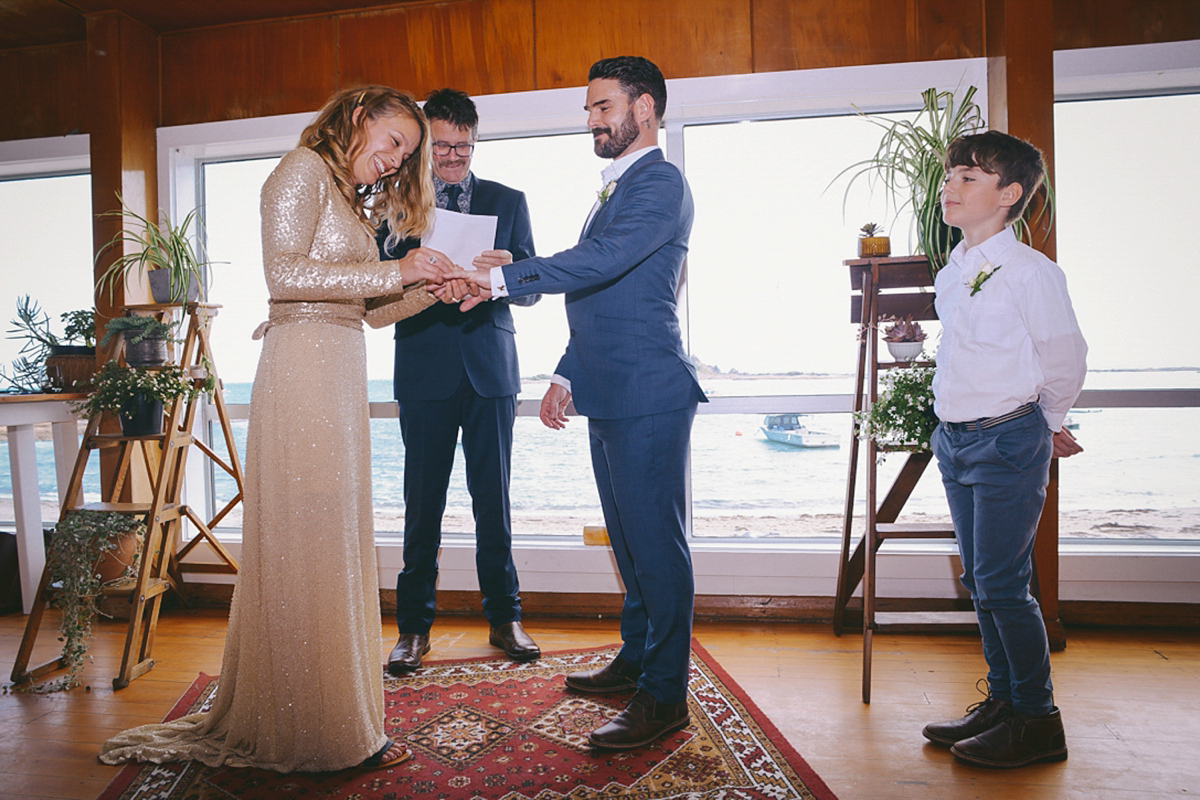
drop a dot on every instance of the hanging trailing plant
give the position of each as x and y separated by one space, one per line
79 542
902 415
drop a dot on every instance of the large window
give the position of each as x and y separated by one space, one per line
45 254
766 305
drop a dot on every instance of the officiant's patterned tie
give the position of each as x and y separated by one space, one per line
452 193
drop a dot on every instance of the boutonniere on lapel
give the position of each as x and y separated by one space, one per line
981 277
607 191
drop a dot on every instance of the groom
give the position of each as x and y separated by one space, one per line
627 371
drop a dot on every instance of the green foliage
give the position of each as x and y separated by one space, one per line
115 387
80 326
79 541
33 325
152 246
902 416
909 163
144 327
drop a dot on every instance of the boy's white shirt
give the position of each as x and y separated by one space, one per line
1015 341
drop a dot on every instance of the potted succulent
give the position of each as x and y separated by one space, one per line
137 395
145 339
904 338
901 418
48 361
163 252
83 547
872 242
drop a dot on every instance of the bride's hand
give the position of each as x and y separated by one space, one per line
426 264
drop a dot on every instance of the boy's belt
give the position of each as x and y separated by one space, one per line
988 422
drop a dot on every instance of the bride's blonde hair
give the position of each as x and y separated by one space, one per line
404 200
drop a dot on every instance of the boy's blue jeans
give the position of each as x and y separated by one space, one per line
995 481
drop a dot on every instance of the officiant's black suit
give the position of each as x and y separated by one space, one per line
459 370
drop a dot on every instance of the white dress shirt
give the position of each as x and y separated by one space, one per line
1015 341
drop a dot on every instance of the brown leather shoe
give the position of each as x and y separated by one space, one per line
643 720
1017 740
406 655
617 676
514 641
981 716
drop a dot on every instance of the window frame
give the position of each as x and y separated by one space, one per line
765 567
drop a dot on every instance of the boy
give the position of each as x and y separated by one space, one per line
1010 365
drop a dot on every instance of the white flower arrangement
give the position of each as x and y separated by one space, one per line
976 283
607 191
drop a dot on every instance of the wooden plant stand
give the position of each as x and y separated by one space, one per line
164 459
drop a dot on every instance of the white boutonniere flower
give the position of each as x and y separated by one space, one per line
606 192
976 283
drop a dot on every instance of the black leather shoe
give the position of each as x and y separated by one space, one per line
643 720
617 676
514 641
981 716
1017 740
406 655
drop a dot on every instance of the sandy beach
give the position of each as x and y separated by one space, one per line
1149 524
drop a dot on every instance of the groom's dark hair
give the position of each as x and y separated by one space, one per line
637 76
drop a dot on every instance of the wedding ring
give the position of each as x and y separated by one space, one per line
433 259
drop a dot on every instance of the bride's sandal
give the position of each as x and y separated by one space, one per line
398 755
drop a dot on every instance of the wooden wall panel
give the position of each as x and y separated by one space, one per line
479 46
685 38
251 70
1107 23
42 91
838 33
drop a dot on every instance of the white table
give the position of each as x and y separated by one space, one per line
19 413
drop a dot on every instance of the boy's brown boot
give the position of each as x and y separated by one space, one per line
981 716
1017 740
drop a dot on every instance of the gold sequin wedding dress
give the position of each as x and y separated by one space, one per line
301 684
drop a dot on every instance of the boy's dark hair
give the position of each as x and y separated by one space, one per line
1011 159
637 76
453 106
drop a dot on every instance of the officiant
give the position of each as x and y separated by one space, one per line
458 371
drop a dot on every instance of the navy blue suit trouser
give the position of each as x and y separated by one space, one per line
430 432
640 465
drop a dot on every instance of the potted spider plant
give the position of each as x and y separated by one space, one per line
50 361
137 395
162 252
909 163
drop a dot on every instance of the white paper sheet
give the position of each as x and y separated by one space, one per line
461 236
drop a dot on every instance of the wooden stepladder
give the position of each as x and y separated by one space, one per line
888 287
163 458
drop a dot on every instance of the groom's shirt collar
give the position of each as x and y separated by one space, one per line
620 166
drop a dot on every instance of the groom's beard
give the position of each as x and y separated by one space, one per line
617 141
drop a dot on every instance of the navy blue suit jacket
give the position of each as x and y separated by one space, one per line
433 348
625 356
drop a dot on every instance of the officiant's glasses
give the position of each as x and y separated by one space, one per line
462 149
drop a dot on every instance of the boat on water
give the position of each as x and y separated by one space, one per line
787 429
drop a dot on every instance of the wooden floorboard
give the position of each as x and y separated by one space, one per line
1128 699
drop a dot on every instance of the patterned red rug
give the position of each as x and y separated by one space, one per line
491 729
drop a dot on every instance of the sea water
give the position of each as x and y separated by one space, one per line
1137 461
